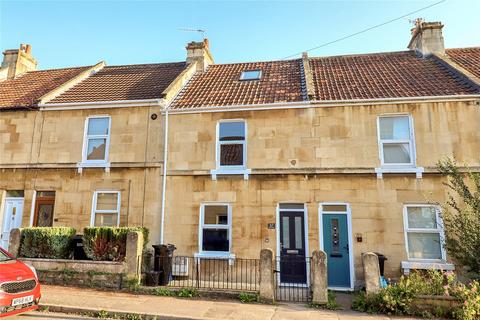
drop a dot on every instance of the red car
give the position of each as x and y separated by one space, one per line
19 286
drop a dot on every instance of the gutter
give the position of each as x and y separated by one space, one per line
326 103
100 104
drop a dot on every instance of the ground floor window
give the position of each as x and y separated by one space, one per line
423 232
215 228
106 209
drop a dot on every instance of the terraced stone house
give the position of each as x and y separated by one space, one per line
334 153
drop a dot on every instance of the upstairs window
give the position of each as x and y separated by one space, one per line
396 141
215 228
106 209
97 139
231 144
251 75
423 232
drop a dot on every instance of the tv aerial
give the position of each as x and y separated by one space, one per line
200 31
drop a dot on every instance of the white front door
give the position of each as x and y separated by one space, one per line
12 218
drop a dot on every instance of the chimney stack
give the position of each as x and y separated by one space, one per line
427 38
17 61
199 52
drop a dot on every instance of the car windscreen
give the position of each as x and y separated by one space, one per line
4 256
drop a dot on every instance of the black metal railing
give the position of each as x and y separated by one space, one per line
292 279
213 273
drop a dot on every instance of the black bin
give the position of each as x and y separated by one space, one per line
78 251
152 278
381 262
162 262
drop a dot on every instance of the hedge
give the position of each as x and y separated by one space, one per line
46 242
108 243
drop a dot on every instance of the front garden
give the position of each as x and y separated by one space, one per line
435 293
99 243
430 294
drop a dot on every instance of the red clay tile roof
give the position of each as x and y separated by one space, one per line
220 85
127 82
468 58
383 75
368 76
25 90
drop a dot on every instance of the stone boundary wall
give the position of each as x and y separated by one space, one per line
91 279
99 274
76 265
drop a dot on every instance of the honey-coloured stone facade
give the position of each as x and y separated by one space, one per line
335 151
41 151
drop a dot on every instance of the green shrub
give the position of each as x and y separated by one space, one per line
461 214
108 243
469 297
188 293
46 242
397 299
245 297
163 292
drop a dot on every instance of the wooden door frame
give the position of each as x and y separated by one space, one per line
42 200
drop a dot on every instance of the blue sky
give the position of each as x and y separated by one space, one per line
71 33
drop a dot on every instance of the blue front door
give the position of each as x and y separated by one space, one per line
335 243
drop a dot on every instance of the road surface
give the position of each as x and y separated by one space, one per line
47 316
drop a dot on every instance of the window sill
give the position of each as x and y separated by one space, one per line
212 255
417 170
105 165
425 264
225 171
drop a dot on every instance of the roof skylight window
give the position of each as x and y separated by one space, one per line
251 75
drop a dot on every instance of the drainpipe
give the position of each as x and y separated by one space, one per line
164 182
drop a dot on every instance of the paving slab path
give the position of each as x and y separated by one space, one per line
90 300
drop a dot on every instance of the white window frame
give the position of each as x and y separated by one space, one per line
226 169
95 163
410 141
398 167
244 72
201 226
94 206
439 230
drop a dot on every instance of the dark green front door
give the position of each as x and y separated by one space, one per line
335 243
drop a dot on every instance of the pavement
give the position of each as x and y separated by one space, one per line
70 299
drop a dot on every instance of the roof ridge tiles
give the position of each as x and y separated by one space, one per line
253 62
59 69
353 55
145 64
